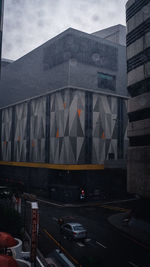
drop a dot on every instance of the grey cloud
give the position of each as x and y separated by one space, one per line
32 22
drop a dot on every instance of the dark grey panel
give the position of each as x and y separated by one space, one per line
135 7
81 49
0 135
88 126
47 139
6 134
38 129
138 32
72 58
120 139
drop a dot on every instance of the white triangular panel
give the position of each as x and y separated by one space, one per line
80 141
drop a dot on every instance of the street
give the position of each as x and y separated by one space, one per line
104 246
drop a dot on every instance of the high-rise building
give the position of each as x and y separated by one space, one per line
1 27
138 67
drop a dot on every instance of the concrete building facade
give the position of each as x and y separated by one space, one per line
138 66
1 27
64 114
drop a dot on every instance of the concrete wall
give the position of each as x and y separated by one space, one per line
116 34
138 65
72 58
86 75
138 171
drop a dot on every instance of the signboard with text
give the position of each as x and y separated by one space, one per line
34 230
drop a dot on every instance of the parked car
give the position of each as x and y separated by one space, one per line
74 230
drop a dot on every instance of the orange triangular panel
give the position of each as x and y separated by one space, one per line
103 136
33 143
79 112
57 134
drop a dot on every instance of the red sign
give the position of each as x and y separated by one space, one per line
34 231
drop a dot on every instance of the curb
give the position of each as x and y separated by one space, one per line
127 234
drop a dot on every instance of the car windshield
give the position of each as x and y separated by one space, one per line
78 228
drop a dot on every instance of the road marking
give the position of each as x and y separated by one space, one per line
101 244
41 264
80 244
62 248
48 202
87 240
132 264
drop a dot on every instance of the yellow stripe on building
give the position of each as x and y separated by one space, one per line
54 166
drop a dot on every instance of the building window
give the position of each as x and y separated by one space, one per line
106 81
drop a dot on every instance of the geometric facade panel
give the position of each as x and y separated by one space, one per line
104 128
83 128
67 126
37 129
20 135
6 134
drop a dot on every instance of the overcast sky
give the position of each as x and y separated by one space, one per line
30 23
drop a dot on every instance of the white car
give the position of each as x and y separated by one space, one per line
74 230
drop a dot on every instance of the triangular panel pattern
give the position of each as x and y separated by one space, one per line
80 141
81 157
38 129
73 143
102 143
73 130
105 123
80 130
6 134
71 124
94 156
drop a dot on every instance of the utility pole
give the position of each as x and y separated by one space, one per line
1 28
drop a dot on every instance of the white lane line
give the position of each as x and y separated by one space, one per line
87 240
51 203
80 244
101 244
132 264
41 264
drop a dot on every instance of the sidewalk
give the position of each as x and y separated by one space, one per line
136 229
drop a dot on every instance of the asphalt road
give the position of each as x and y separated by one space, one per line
104 246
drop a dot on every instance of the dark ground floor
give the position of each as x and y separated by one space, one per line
66 185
